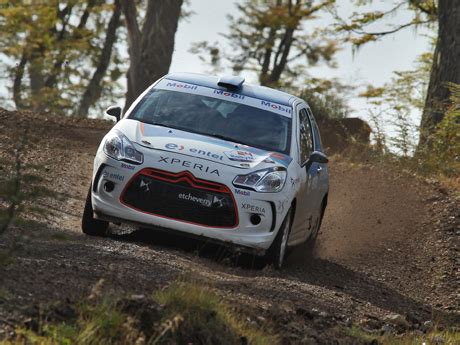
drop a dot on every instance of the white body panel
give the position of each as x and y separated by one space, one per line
217 161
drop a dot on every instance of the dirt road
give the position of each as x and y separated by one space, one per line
388 245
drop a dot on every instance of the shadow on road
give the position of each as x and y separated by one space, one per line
307 269
204 248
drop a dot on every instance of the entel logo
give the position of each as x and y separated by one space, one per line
209 154
174 147
276 107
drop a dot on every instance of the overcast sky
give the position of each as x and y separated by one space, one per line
374 63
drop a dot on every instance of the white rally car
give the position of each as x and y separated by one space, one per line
216 158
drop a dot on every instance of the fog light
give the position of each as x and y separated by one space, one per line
109 186
255 219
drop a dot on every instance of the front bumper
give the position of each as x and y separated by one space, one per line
109 203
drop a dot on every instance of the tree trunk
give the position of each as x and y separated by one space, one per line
93 91
151 49
17 84
36 79
445 69
280 65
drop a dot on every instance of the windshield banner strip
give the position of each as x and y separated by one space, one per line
173 85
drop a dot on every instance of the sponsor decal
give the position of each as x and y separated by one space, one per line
195 152
195 199
277 107
113 176
253 208
128 166
189 164
228 94
240 156
212 201
245 165
174 147
277 155
242 192
182 86
166 84
281 158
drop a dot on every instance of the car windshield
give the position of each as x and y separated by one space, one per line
215 117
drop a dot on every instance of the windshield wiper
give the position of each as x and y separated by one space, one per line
223 137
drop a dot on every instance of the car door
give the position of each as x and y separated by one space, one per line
318 171
307 179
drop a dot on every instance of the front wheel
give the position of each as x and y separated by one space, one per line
316 228
277 252
318 223
90 225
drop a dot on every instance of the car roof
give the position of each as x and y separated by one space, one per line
255 91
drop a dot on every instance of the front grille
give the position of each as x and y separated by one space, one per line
182 197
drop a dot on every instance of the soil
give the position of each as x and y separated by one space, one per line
388 245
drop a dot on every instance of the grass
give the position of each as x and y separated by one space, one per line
204 319
190 313
99 323
424 166
446 337
6 258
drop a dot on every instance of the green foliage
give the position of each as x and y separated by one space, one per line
53 47
357 29
204 318
398 101
271 39
97 323
5 259
100 323
439 158
442 153
191 314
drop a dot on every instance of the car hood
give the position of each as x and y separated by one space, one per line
200 146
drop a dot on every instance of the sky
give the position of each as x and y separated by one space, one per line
373 63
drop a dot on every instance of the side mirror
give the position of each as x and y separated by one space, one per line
114 111
318 157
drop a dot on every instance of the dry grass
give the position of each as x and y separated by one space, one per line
205 318
446 337
191 313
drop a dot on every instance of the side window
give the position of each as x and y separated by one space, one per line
306 136
318 145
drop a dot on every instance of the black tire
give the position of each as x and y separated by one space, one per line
90 225
278 251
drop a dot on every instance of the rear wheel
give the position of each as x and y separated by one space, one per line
90 225
278 250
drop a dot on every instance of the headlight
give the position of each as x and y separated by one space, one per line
265 181
118 147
